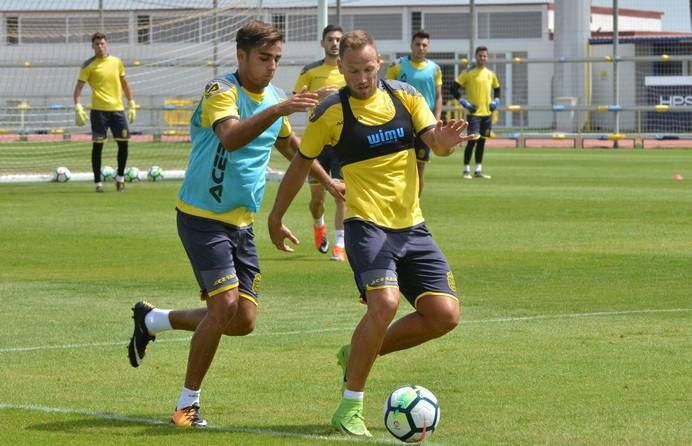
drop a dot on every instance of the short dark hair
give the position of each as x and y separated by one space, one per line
256 34
329 28
98 36
420 34
479 49
355 40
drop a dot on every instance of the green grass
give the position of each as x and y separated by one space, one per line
576 328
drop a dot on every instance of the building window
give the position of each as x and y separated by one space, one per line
279 22
302 28
416 22
143 28
12 30
447 26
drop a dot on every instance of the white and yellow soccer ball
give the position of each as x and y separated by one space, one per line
155 173
62 174
131 174
411 413
107 173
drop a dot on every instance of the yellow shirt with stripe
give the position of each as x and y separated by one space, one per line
216 107
382 190
479 84
103 75
315 76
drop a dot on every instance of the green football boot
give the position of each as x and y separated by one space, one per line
349 419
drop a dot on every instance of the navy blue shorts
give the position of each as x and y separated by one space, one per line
329 162
223 256
408 259
422 150
479 125
101 121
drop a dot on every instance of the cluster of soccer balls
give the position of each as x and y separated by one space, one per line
411 413
155 173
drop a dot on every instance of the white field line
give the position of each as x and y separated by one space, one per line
158 422
326 330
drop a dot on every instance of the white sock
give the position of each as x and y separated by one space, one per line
188 397
339 239
120 179
353 395
157 320
467 168
479 168
100 184
319 222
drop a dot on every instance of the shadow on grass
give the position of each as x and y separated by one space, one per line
140 426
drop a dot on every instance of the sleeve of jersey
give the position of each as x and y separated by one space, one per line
461 79
496 83
286 128
438 77
315 136
221 105
121 68
83 74
422 117
392 71
302 81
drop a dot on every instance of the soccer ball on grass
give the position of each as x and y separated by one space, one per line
411 413
62 174
107 173
131 174
155 173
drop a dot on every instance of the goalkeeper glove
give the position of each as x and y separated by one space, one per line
494 104
467 105
131 111
80 116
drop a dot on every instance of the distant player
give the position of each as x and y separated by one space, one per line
426 76
323 77
105 74
481 98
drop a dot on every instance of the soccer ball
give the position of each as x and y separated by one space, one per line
411 413
131 174
107 173
155 173
62 174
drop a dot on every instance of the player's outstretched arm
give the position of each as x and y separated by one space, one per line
293 179
444 138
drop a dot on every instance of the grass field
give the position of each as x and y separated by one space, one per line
576 327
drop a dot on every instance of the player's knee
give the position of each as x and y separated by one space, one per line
384 310
240 326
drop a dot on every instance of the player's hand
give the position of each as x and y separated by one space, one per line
337 189
131 111
279 233
80 116
300 102
494 104
449 135
467 105
325 91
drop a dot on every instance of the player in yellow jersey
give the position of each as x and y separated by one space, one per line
482 98
371 124
105 74
426 76
323 77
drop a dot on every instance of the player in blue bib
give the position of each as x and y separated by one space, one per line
239 118
426 77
